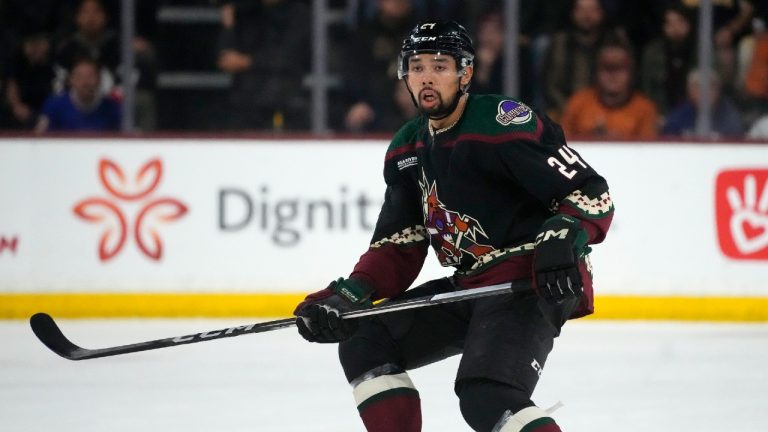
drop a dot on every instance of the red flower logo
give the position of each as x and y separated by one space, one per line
112 218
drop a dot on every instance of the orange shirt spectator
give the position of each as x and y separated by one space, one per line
611 108
756 83
585 115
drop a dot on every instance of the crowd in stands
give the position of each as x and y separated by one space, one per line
60 65
603 68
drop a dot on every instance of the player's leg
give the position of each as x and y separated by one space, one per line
499 407
376 358
507 344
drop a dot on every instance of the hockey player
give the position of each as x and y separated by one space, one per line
499 195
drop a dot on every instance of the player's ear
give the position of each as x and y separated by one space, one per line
466 75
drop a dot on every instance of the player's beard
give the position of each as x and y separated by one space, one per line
440 108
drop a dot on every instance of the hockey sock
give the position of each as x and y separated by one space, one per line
389 403
531 419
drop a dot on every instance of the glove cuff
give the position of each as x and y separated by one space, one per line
352 290
565 227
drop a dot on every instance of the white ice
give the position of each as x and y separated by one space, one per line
611 376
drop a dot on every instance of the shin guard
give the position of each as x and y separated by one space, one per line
388 403
531 419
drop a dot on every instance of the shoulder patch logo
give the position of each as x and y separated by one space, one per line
512 112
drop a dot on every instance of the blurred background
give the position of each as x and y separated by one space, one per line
328 66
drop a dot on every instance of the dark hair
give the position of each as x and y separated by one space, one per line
617 41
99 2
681 10
85 59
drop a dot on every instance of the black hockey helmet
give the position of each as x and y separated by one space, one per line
437 37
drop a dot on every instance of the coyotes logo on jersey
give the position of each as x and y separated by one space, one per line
451 233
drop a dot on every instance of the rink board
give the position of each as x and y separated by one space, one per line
170 227
746 309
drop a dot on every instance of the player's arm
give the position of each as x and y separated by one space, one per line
399 244
582 218
389 266
582 208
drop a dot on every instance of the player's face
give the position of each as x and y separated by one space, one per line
434 81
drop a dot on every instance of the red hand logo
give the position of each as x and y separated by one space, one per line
742 213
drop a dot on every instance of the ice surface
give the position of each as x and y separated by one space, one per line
627 376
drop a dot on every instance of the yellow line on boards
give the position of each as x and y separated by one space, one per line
745 309
177 305
155 305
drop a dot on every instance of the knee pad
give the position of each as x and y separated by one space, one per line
484 402
533 419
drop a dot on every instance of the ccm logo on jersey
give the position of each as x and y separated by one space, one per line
407 162
511 112
549 234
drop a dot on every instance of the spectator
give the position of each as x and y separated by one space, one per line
489 60
641 20
726 120
404 102
489 57
756 76
371 71
83 107
539 21
30 79
612 108
363 11
569 63
145 64
730 22
265 46
668 59
759 130
93 39
25 17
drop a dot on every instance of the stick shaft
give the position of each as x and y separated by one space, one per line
46 329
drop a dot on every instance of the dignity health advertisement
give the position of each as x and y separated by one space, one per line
160 215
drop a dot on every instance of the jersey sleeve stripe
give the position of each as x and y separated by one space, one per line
501 138
403 149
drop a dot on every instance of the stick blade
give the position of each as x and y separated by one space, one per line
50 335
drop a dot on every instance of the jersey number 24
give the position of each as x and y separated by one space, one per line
570 158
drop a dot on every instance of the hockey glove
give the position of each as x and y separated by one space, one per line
318 317
559 246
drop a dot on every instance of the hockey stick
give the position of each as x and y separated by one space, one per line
50 335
